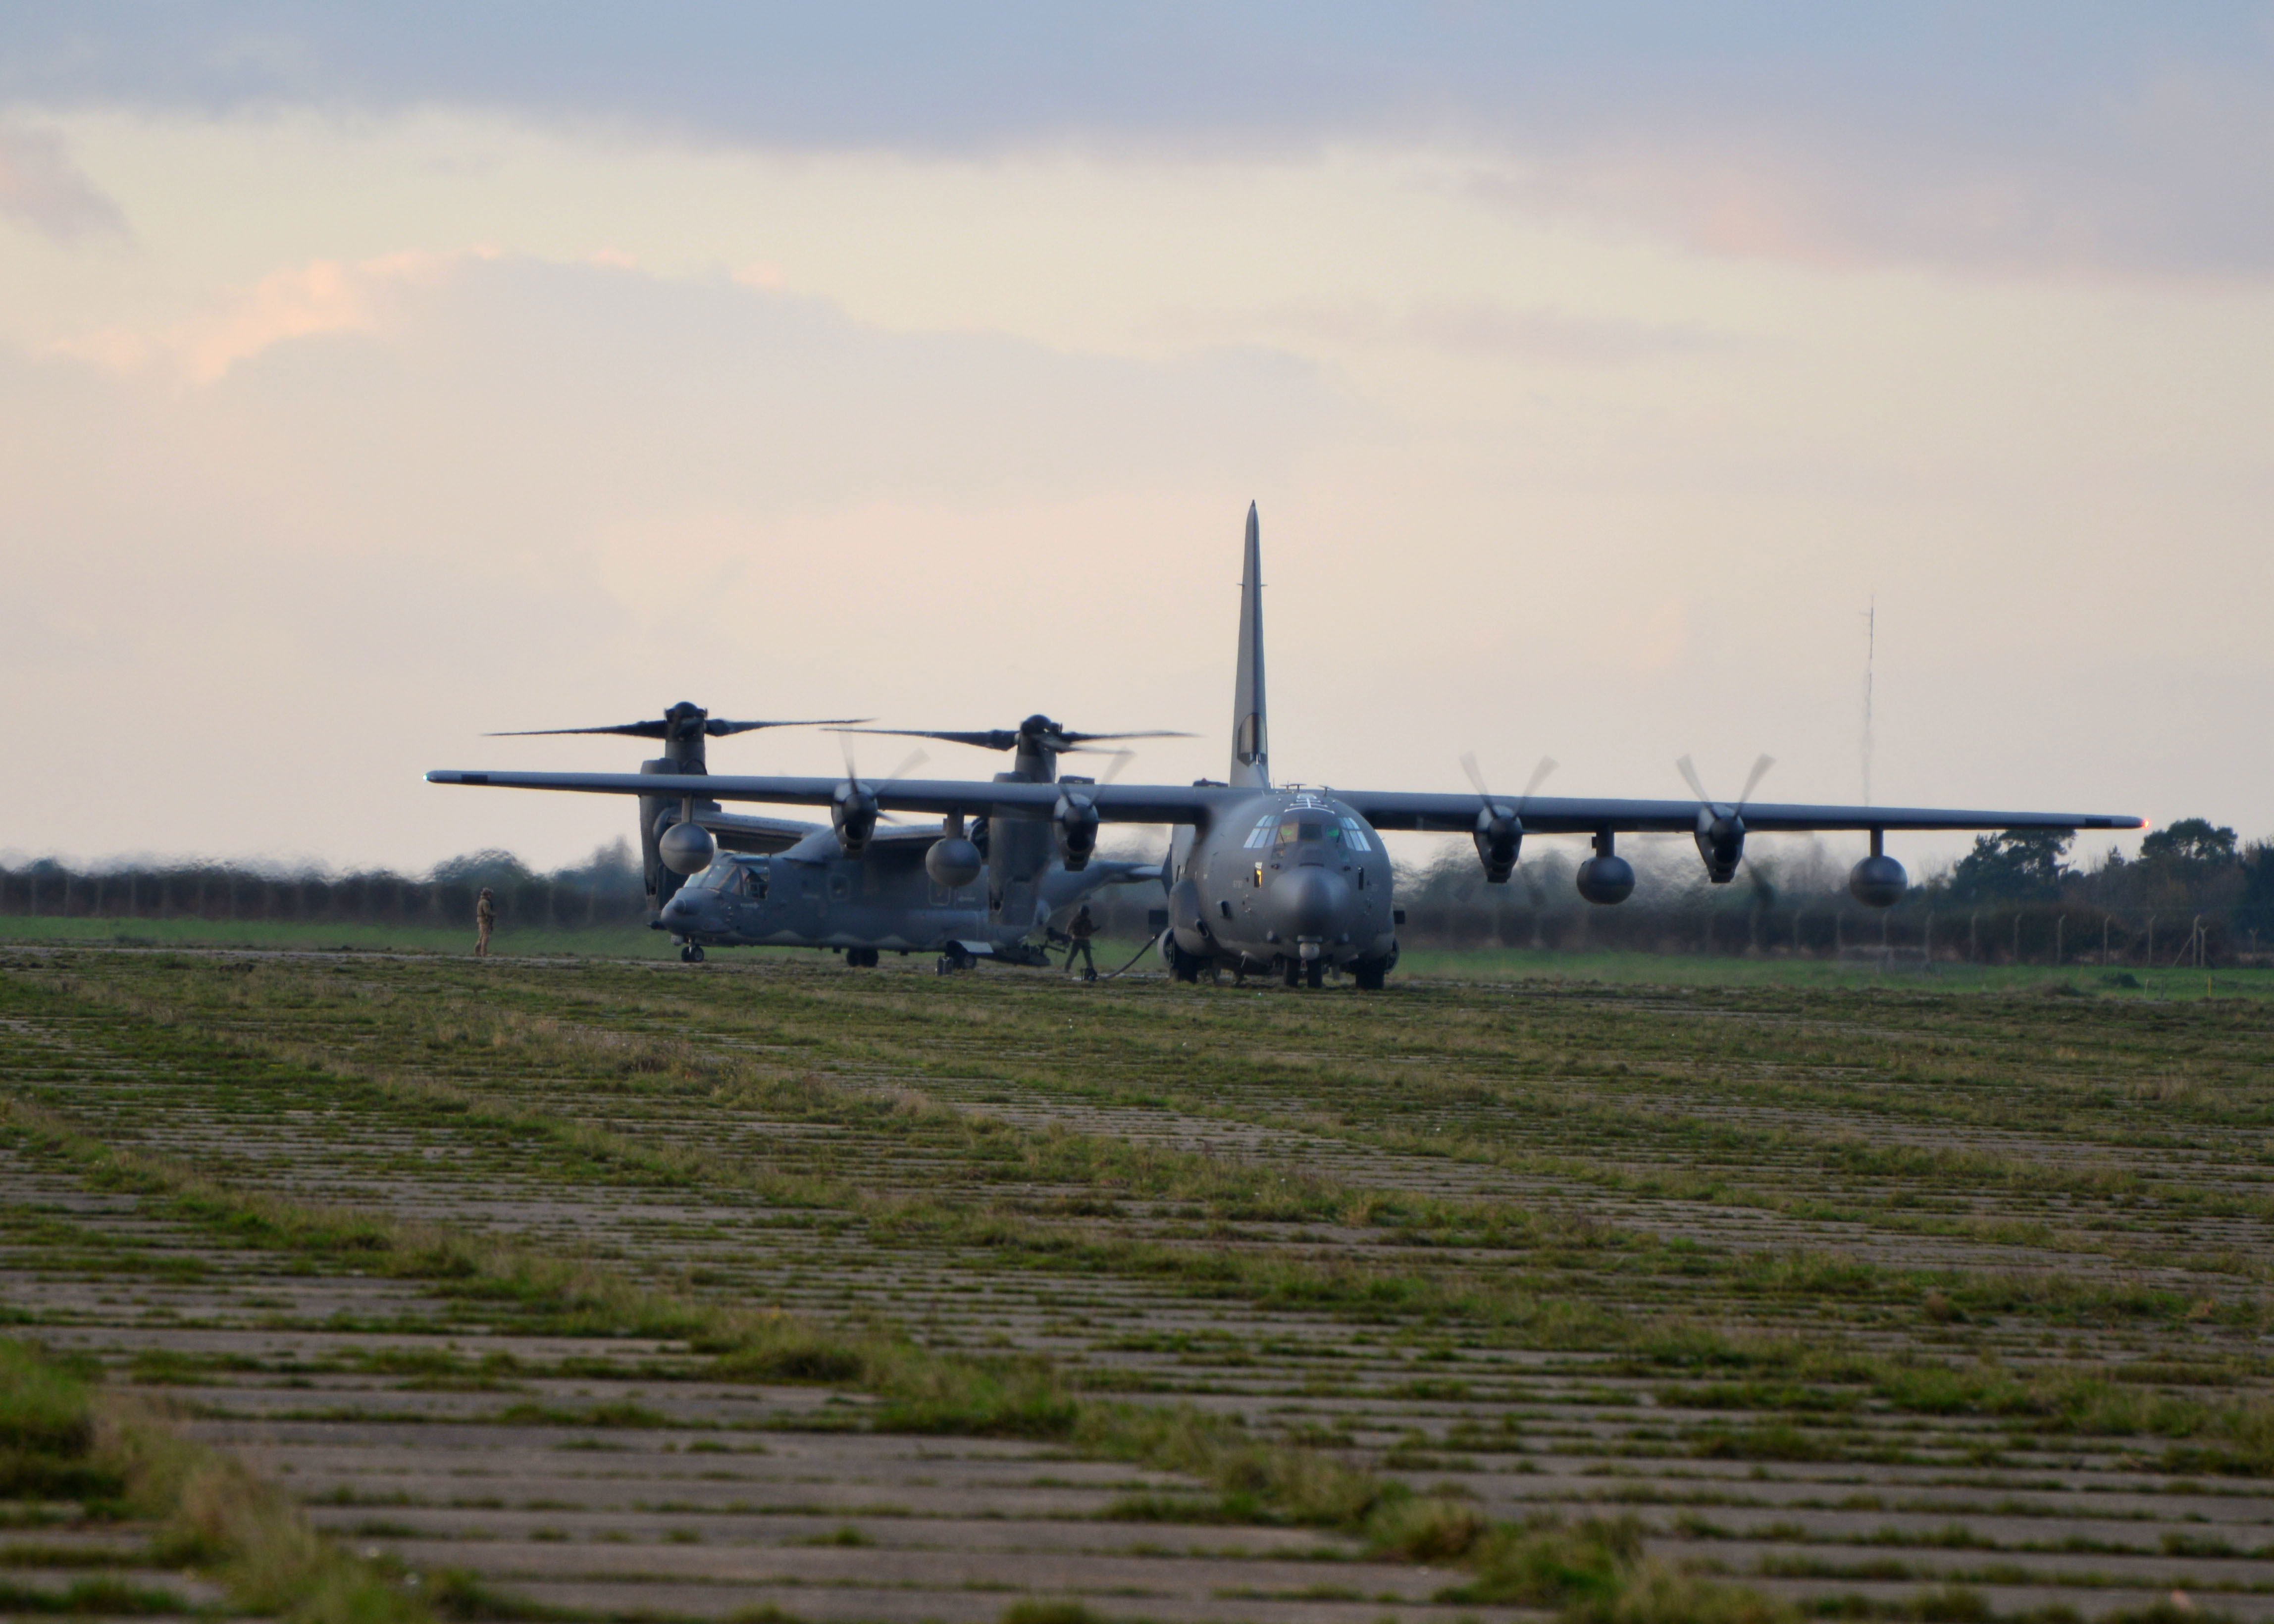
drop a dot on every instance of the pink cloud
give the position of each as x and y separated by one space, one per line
301 301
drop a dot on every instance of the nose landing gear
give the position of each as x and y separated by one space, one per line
690 953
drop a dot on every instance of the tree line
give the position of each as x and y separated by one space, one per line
605 890
2195 894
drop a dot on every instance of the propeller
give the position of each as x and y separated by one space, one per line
1499 833
683 720
1037 732
1721 826
853 809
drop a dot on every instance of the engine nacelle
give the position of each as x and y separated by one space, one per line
686 848
1878 881
953 862
854 812
1499 835
1721 842
1075 820
1606 880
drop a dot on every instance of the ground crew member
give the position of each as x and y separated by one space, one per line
1079 933
484 922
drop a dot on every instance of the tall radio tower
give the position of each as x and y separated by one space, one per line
1871 652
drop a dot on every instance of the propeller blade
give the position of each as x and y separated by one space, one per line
1547 764
636 730
1753 779
1690 777
1476 776
914 759
1121 758
1074 740
719 729
994 739
1058 739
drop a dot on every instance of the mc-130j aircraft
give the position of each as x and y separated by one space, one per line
1286 880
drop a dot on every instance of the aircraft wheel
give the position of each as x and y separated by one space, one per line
1182 965
1290 970
940 966
1369 976
690 954
1315 972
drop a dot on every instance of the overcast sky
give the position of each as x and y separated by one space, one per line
374 378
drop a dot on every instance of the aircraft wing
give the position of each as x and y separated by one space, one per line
739 831
1198 804
1116 803
1569 815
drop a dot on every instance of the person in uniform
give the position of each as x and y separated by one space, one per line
484 922
1079 934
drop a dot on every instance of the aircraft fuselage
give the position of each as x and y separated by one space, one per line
814 895
1288 881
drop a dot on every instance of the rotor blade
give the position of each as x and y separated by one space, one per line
1547 764
1690 777
1072 738
1121 758
1753 779
719 729
1476 775
994 739
636 730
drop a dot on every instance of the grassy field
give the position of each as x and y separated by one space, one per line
1620 968
582 1287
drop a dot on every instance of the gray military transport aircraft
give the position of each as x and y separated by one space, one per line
770 882
1287 880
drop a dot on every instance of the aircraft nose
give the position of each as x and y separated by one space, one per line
1310 901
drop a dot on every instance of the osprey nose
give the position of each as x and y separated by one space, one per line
1310 901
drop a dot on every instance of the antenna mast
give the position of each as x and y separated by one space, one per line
1870 654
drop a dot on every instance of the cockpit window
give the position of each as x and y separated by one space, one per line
1308 829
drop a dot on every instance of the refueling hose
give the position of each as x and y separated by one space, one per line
1141 951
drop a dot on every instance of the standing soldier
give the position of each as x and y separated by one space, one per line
484 922
1079 933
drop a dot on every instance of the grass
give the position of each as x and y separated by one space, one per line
616 941
204 1511
1634 1237
1624 968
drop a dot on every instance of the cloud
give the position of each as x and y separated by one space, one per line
533 493
1469 328
302 301
2040 133
41 187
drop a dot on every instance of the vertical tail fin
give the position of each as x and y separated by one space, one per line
1251 741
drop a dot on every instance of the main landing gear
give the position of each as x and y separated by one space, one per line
860 958
955 959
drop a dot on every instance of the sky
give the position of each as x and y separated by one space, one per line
374 378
